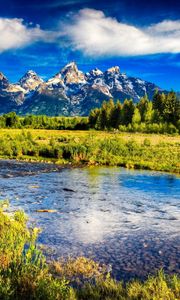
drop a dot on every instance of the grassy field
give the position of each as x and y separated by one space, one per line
131 150
71 134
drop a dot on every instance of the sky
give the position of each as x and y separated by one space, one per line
141 37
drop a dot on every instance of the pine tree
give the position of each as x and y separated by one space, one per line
158 103
142 106
116 116
128 110
94 113
171 111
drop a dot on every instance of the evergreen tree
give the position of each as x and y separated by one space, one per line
11 120
128 111
142 106
116 116
158 104
104 117
171 111
109 112
93 116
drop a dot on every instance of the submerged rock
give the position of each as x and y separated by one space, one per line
46 210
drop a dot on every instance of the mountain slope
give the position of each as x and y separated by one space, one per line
70 92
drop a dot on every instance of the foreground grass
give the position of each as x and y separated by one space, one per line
24 273
141 151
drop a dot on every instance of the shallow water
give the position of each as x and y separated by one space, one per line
129 220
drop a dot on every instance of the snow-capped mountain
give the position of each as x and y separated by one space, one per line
70 92
11 95
30 81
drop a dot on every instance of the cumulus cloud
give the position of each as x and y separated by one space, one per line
97 35
91 32
15 34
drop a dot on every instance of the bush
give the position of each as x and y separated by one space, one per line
24 273
147 142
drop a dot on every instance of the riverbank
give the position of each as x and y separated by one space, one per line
25 274
77 148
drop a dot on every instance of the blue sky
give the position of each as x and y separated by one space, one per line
142 37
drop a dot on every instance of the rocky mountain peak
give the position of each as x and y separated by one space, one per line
3 81
2 76
70 92
69 68
71 74
115 69
30 81
96 72
29 74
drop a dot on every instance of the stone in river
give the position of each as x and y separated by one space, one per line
46 210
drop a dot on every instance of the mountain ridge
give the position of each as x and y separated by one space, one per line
70 91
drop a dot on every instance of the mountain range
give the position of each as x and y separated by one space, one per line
70 92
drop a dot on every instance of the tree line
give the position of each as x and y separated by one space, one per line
11 120
162 115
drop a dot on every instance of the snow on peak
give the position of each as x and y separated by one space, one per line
79 91
30 81
3 81
15 88
31 72
69 67
96 72
115 69
140 81
55 81
72 75
2 77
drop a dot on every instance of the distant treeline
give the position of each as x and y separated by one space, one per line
162 115
11 120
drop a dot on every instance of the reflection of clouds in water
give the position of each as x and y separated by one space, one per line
109 207
94 226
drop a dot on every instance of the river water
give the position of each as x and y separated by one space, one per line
127 219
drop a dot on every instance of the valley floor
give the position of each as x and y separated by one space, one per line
48 134
131 150
24 272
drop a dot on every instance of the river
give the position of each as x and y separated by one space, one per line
127 219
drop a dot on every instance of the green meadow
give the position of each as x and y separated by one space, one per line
130 150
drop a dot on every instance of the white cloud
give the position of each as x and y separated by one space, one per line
15 34
91 32
95 34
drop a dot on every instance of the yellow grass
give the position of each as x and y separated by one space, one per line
48 134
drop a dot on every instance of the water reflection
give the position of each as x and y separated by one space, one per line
130 219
